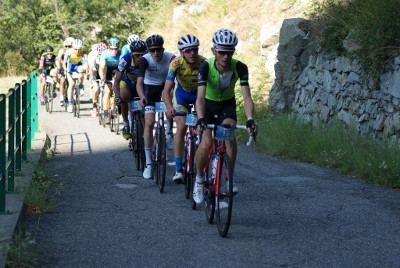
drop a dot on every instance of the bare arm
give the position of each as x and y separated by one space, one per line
101 70
248 101
166 96
117 79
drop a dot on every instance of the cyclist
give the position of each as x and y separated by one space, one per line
184 70
153 69
74 61
126 49
46 67
92 54
94 61
216 97
108 65
59 62
125 80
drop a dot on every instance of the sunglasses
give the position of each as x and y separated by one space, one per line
190 50
223 53
158 49
138 54
68 46
113 48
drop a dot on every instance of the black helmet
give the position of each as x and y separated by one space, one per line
138 46
155 40
48 49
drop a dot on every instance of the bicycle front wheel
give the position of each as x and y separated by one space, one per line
209 199
186 167
161 160
224 195
50 98
46 96
78 102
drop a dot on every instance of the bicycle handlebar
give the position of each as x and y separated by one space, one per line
242 127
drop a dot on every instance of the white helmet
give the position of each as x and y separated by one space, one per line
133 37
225 38
69 41
77 43
188 40
94 47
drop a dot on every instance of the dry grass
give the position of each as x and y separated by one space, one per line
9 82
245 18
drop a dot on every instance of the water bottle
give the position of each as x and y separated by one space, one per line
214 165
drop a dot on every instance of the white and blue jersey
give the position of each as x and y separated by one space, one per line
129 70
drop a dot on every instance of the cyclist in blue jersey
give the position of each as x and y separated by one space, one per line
126 49
216 97
153 69
125 81
182 78
108 66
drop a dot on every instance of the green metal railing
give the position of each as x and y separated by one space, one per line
21 104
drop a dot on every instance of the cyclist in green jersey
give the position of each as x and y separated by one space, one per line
216 97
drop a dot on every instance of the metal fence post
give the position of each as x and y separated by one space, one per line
24 122
11 139
34 105
29 113
18 153
3 154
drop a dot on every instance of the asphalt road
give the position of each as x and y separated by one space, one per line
286 213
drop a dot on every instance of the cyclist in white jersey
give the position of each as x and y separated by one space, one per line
153 69
94 62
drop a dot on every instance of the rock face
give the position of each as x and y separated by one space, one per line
321 87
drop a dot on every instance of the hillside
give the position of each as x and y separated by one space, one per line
255 22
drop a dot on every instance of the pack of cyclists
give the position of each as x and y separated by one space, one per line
144 70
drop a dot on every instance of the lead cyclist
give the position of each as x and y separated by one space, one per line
216 96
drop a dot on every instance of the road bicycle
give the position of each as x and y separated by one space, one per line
190 147
76 100
218 186
49 93
136 141
114 114
160 152
99 105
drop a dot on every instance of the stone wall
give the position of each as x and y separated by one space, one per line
321 87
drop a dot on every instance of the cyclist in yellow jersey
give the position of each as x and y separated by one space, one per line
74 61
182 73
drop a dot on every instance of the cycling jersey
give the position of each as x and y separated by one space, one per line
185 76
94 60
125 50
216 87
155 73
47 63
73 58
127 66
108 59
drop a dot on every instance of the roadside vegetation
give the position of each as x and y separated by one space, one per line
372 27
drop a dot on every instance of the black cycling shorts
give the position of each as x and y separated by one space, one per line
110 72
222 109
152 93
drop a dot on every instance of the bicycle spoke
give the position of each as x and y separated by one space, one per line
224 195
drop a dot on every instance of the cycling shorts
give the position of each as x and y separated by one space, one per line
73 67
96 74
131 87
52 72
110 72
222 109
182 99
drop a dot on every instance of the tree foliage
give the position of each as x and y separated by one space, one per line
27 26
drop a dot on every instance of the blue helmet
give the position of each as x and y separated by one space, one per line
113 42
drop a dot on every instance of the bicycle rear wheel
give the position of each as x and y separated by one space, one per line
224 195
161 160
192 177
209 199
51 97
